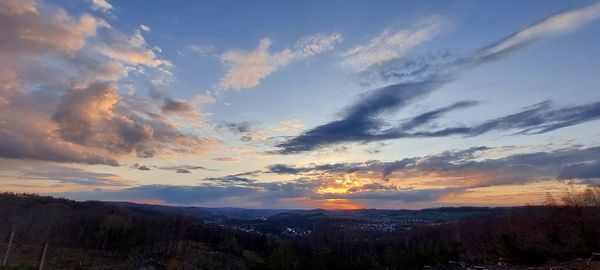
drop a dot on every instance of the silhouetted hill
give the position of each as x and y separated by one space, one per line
431 214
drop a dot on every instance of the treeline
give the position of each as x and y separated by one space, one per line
561 230
135 237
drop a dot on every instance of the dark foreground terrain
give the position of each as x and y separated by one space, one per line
64 234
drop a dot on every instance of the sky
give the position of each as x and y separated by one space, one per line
300 105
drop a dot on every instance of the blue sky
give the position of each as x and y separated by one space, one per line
334 104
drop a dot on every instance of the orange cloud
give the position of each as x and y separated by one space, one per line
71 110
248 69
18 7
131 50
34 27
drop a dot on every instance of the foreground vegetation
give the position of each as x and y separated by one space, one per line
64 234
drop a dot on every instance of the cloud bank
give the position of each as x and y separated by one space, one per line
411 180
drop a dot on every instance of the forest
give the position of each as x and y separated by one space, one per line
40 232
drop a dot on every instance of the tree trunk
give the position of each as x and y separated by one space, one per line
41 264
12 234
105 240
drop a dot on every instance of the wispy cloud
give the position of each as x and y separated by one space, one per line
236 127
132 50
101 5
246 69
365 120
288 125
33 174
390 44
78 177
184 168
202 50
227 159
229 180
145 28
560 23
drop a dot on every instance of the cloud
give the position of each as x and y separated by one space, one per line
91 117
255 137
560 23
176 169
33 175
183 168
337 168
19 7
230 179
360 121
30 134
410 195
101 5
248 131
140 167
245 129
176 106
227 159
288 125
247 69
411 69
241 192
32 28
82 110
417 179
236 127
71 110
583 170
537 119
428 117
541 118
145 28
131 50
341 168
285 169
183 109
79 177
365 120
467 168
202 50
390 44
179 195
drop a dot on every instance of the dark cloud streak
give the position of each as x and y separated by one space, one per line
365 120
